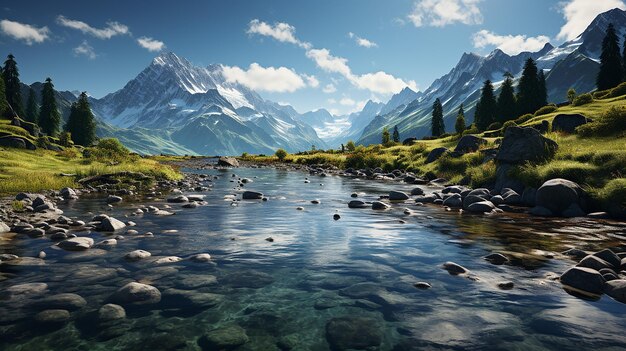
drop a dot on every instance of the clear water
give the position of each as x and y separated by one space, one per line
285 292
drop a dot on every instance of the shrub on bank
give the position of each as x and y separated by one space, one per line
523 119
108 150
546 109
612 122
583 99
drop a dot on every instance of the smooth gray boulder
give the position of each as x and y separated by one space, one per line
111 312
398 196
136 294
435 154
110 224
52 316
357 204
454 268
610 257
469 143
481 206
583 280
567 123
616 289
453 200
224 338
378 205
80 243
525 144
594 262
227 162
559 195
252 195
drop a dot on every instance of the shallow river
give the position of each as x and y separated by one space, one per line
358 272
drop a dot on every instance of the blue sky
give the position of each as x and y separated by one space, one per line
311 54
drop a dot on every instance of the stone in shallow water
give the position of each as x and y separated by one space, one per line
422 285
506 285
137 255
26 289
454 269
583 280
496 258
225 338
53 316
136 294
167 260
197 281
191 298
76 244
67 301
616 289
203 257
247 279
345 333
110 312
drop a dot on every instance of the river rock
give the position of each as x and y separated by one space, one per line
481 207
202 257
137 255
583 279
193 299
68 193
594 262
227 162
567 123
56 316
76 244
66 301
195 281
558 195
525 144
496 258
469 143
4 228
24 290
435 154
178 199
357 204
167 260
454 269
453 200
378 205
107 243
252 195
398 196
110 224
610 257
224 338
354 332
616 289
422 285
111 312
136 294
417 191
114 199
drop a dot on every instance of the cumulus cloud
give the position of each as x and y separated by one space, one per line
112 29
510 44
270 79
439 13
311 80
579 14
328 62
283 32
26 32
329 89
151 44
362 41
84 49
346 101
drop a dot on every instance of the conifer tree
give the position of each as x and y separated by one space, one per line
543 89
624 58
396 134
32 111
611 66
11 78
386 136
81 122
507 105
528 96
437 124
459 125
49 117
3 99
487 107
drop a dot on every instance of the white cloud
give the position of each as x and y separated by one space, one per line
283 32
112 29
151 44
345 101
332 101
26 32
510 44
362 41
329 89
86 50
270 79
382 83
579 14
439 13
311 81
328 62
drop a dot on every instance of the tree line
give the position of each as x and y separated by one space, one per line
80 125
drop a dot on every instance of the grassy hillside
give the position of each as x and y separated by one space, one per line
598 162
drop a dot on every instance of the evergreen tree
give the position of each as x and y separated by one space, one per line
49 117
528 95
487 107
543 89
571 95
81 122
396 134
32 111
624 58
507 105
386 136
611 70
11 78
437 124
459 125
4 106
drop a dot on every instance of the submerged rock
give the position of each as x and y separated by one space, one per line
136 294
53 316
65 301
111 312
354 332
225 338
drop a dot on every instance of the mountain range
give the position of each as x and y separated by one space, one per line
175 107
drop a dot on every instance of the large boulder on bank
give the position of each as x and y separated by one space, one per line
567 123
227 162
562 197
435 154
469 143
521 145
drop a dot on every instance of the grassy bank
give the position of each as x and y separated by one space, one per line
596 160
